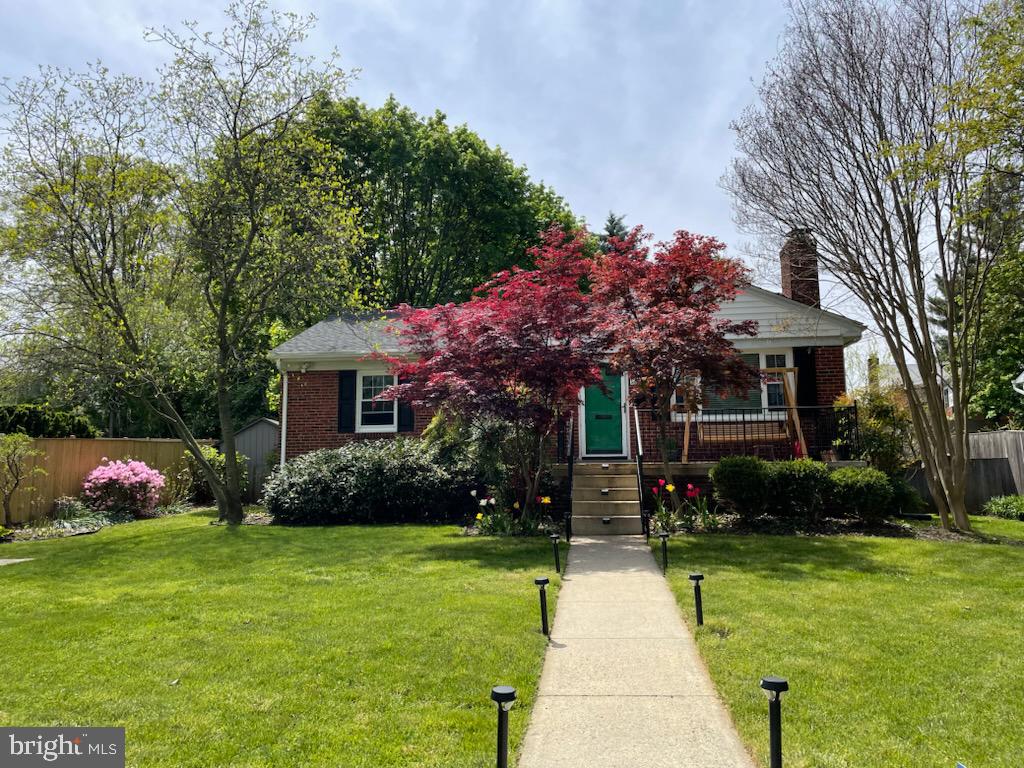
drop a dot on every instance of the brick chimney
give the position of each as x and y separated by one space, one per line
799 257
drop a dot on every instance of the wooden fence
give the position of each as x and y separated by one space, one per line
1004 444
68 460
996 468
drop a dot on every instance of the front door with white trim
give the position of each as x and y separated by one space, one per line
603 417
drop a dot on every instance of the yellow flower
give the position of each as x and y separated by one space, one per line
546 500
670 487
479 515
516 505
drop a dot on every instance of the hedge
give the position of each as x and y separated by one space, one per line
740 485
802 490
43 421
397 480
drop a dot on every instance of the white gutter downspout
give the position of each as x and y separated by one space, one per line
284 413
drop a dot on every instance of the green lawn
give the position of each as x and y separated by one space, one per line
899 652
260 646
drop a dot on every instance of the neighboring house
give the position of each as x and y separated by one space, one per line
258 441
330 380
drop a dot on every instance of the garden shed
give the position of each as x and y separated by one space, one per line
258 441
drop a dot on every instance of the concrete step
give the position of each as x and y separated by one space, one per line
604 481
605 493
605 508
616 525
604 468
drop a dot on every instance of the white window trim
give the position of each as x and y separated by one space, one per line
380 429
768 414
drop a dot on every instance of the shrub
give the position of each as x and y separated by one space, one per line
862 492
43 421
69 508
1006 507
194 484
740 484
798 490
17 456
71 515
130 487
905 498
378 481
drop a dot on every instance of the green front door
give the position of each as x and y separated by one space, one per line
603 416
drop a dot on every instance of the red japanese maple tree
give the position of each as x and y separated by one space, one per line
519 351
660 312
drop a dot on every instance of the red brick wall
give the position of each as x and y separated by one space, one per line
313 415
799 262
829 374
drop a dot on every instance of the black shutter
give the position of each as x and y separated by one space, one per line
346 401
406 418
806 381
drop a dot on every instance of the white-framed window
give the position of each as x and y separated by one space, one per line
774 393
769 395
374 415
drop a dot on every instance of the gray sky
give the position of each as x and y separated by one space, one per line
620 105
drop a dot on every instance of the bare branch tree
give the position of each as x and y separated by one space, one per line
846 139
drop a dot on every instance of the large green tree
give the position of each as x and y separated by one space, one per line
440 209
160 231
993 102
1001 345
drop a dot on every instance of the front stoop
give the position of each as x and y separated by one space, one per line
605 499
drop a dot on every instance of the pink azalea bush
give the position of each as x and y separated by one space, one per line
123 486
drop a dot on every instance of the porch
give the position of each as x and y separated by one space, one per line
697 440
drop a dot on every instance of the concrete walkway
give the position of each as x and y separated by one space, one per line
623 685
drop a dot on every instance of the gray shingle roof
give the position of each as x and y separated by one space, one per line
357 333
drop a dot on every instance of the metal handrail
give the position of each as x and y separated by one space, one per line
644 521
570 456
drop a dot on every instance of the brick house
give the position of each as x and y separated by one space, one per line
330 380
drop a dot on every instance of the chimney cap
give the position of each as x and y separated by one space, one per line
800 232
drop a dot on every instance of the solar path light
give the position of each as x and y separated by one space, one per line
554 548
773 688
504 696
542 584
697 578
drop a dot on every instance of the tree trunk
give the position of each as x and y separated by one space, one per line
947 483
231 510
168 412
666 468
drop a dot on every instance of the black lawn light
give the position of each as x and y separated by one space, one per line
664 551
504 696
773 688
554 547
697 578
542 583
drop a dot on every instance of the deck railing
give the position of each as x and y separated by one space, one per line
817 432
